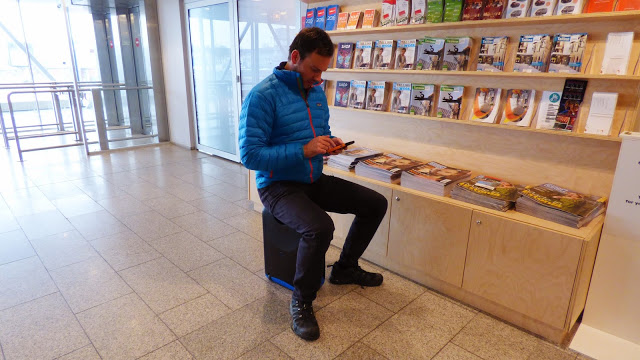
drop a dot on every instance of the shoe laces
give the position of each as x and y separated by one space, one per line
303 309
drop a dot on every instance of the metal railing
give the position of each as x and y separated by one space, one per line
55 89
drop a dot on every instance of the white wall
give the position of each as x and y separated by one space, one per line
174 63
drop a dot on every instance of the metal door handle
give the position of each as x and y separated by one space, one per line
397 198
478 222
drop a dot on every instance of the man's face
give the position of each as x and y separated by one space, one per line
310 68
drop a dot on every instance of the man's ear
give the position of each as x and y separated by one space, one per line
295 57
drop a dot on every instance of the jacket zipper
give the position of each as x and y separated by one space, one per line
310 123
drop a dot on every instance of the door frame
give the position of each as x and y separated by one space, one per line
235 64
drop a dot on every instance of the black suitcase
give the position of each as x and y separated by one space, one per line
280 250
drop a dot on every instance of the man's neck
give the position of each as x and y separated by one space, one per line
288 66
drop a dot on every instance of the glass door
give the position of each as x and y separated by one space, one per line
213 40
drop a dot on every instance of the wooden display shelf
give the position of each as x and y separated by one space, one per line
487 74
474 123
591 19
583 232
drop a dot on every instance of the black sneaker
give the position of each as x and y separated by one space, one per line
341 275
303 321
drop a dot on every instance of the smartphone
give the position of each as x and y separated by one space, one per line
340 146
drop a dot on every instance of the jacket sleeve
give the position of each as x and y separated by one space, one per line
327 128
256 123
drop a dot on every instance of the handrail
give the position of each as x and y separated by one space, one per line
66 89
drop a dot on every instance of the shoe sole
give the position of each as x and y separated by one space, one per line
334 282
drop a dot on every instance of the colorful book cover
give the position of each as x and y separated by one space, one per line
473 9
388 13
344 55
343 20
310 21
456 53
493 9
491 187
392 163
362 57
533 53
403 12
332 18
401 98
376 95
406 54
517 8
627 5
548 109
342 93
435 11
492 53
357 94
438 172
567 53
566 200
486 105
429 53
418 11
321 17
518 107
371 18
542 7
355 20
570 101
452 10
450 103
422 96
569 7
383 54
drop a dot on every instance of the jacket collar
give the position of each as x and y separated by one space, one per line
291 78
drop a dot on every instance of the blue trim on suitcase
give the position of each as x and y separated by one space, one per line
286 284
281 283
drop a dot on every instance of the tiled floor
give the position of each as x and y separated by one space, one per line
154 253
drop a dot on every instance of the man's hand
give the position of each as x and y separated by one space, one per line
319 145
338 142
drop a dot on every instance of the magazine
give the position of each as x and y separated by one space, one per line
429 53
557 204
567 53
418 11
388 13
348 159
370 19
344 56
401 98
387 167
486 105
357 94
493 9
377 95
452 10
450 102
473 9
406 54
433 178
548 109
435 11
422 96
517 8
542 7
570 101
403 12
492 53
384 54
486 191
363 53
569 7
518 107
533 53
355 20
342 93
456 54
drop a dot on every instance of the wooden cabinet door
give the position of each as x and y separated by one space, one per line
523 267
428 237
377 250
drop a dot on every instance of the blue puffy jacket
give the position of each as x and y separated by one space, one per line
277 119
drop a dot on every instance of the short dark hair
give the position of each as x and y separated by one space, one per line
312 40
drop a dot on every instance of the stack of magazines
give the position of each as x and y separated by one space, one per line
387 167
553 203
486 191
348 159
434 178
